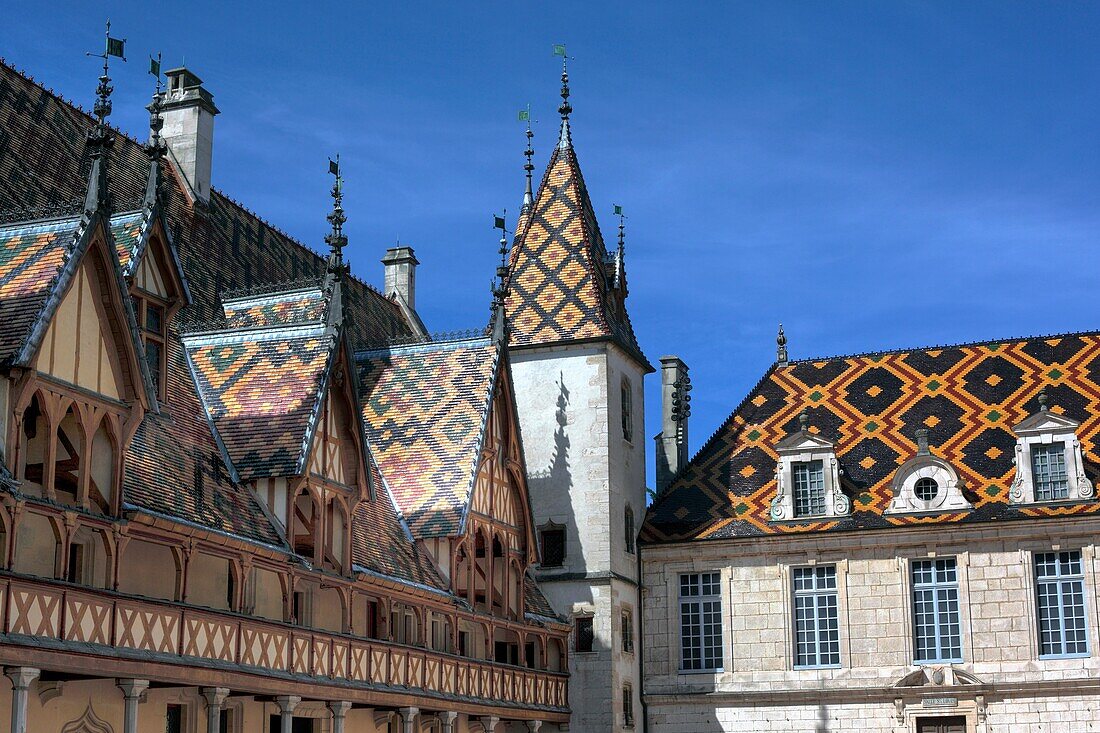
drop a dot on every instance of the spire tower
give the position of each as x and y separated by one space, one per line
336 239
100 138
565 140
528 167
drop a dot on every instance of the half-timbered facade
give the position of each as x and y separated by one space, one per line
241 490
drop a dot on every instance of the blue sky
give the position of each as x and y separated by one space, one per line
875 175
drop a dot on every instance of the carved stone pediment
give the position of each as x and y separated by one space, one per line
938 677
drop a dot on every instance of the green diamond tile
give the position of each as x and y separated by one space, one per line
754 435
992 490
741 508
933 385
993 416
871 427
816 395
865 498
1055 373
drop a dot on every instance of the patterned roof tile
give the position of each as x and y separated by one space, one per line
126 230
871 405
424 409
276 309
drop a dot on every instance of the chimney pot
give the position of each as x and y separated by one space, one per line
400 263
672 443
189 130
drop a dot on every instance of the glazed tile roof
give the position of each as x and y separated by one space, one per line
43 165
561 273
425 408
276 309
968 397
127 230
31 257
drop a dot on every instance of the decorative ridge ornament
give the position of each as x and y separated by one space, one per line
529 167
500 285
336 240
564 139
100 138
620 255
781 357
156 148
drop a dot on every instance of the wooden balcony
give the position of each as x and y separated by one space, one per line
114 627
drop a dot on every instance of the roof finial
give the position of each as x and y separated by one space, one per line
529 167
564 139
781 347
1043 407
99 137
336 239
156 148
500 285
922 441
804 420
620 257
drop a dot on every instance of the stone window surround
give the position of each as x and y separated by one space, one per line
924 465
672 572
1045 427
803 447
626 408
1091 567
786 570
962 574
627 611
588 612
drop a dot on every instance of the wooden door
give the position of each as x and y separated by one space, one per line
954 724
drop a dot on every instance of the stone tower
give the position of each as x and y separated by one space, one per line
578 373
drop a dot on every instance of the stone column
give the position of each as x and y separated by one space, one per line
534 725
447 722
21 679
339 710
286 704
489 723
408 719
214 697
131 694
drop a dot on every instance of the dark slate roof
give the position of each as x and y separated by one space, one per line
425 408
871 405
561 282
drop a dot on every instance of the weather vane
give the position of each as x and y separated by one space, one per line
336 239
529 167
111 47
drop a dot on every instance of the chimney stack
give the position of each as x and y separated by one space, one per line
189 130
401 265
672 442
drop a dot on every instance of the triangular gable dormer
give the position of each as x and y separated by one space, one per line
1050 466
337 455
807 477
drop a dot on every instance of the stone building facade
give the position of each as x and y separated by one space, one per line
950 584
241 491
579 374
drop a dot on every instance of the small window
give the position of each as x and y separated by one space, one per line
372 620
628 631
173 719
628 525
1060 588
1048 464
154 318
75 571
809 489
627 404
700 622
816 633
585 633
926 489
153 327
937 631
553 546
628 706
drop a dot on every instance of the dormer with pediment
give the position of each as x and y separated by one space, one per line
1050 466
807 478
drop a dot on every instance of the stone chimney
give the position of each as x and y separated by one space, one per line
401 265
672 441
189 130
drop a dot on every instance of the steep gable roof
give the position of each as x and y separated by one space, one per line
968 397
561 275
425 408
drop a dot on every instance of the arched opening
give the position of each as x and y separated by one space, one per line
210 581
441 632
506 647
3 539
33 441
103 458
148 569
264 595
89 558
534 653
336 547
555 656
328 609
404 624
515 589
303 524
68 459
37 545
462 572
500 572
481 571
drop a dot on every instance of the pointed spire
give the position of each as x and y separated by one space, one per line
528 167
156 148
100 138
781 347
500 285
336 240
620 255
565 140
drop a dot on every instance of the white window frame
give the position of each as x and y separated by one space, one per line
935 586
1047 428
815 593
1060 580
713 580
805 447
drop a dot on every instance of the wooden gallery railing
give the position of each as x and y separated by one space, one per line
40 608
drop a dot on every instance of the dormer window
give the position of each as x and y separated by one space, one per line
926 484
1049 464
150 314
808 477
